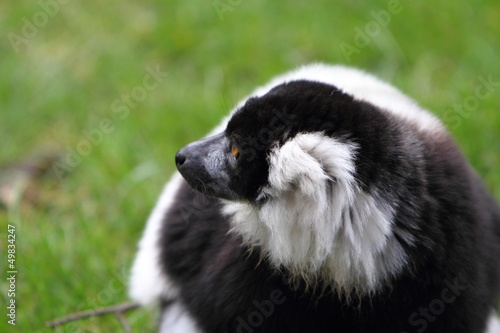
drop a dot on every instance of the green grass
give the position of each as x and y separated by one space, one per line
76 244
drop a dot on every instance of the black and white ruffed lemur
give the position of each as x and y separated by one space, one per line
327 201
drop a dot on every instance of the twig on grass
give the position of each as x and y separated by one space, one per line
118 310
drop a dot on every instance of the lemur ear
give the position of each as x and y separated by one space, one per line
309 161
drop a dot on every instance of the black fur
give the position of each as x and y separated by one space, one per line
445 220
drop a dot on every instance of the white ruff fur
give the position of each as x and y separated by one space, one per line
148 283
176 319
494 324
316 221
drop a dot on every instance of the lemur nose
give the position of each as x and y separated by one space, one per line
180 158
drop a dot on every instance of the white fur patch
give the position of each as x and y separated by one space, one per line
316 221
493 324
148 283
176 319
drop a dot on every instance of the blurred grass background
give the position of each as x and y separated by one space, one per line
76 236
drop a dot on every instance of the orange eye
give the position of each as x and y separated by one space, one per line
235 151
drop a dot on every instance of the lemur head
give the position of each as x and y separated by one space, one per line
283 138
